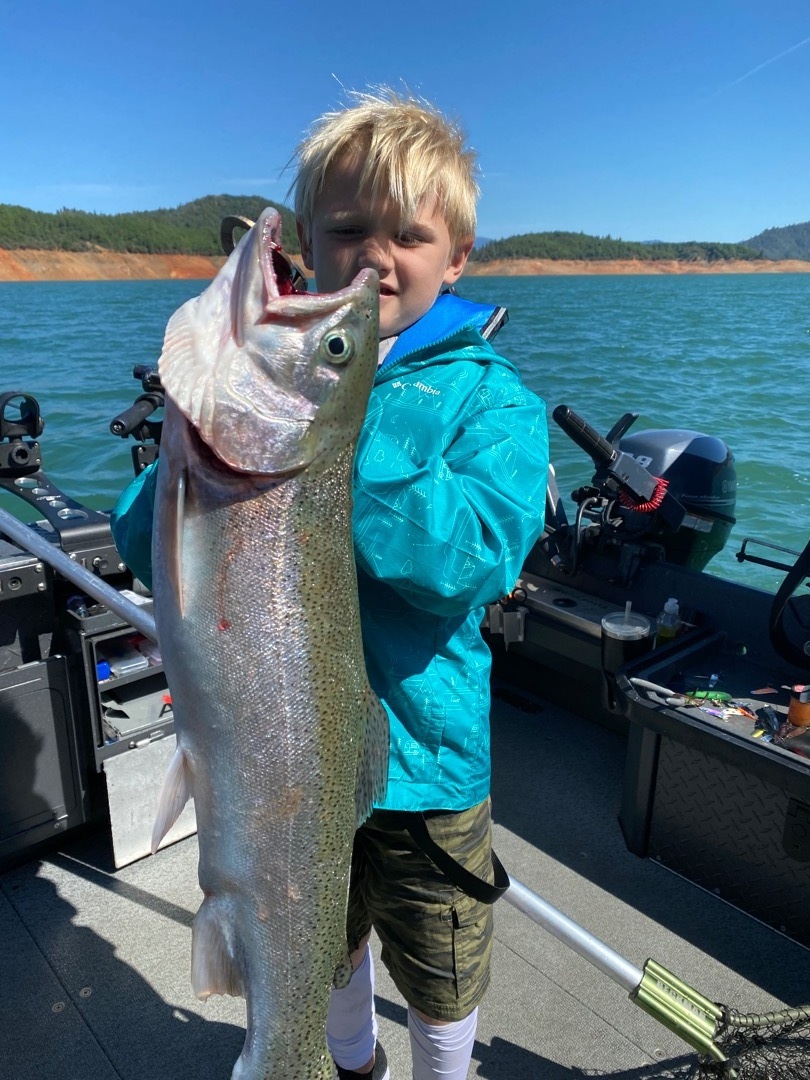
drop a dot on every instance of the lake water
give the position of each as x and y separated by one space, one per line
728 355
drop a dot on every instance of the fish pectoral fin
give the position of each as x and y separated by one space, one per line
176 564
214 969
170 521
372 764
178 788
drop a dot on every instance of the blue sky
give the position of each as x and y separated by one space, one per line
661 119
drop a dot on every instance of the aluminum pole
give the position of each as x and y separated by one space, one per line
91 584
590 948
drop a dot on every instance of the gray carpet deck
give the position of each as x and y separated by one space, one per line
94 962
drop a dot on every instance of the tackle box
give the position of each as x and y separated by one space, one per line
708 797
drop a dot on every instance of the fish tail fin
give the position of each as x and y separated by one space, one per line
372 765
177 790
214 968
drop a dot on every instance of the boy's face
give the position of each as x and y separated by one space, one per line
349 232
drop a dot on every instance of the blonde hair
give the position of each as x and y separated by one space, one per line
411 152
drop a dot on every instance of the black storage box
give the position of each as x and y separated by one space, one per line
707 799
42 782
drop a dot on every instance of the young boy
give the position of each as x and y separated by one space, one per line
450 481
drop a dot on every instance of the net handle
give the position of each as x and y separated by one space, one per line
587 946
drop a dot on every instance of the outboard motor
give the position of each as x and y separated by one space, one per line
667 494
699 471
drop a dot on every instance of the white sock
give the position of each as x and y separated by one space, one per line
351 1023
442 1050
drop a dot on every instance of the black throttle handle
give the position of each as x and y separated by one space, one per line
127 421
586 437
645 491
620 467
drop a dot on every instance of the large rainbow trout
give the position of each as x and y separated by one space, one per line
280 740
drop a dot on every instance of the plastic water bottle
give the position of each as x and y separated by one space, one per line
668 622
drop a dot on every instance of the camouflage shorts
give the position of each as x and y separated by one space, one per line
436 940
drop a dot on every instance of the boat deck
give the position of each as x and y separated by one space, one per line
94 962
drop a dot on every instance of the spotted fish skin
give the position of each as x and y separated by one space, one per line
280 739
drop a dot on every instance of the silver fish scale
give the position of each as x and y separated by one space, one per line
280 738
271 695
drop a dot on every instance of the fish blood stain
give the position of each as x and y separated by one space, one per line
223 624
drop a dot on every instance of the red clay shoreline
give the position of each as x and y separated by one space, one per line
562 267
31 265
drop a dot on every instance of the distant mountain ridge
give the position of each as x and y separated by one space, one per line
581 246
788 242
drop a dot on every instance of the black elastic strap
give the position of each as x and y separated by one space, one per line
470 884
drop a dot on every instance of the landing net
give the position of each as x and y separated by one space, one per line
773 1046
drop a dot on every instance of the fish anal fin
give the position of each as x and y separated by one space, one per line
214 968
177 789
372 764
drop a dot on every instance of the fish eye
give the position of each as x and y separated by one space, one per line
338 347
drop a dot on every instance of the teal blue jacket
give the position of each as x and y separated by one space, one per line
450 481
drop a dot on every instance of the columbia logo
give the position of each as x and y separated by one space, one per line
398 384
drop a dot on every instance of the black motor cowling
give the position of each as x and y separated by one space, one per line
699 470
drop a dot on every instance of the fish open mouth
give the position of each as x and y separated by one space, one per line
281 276
286 273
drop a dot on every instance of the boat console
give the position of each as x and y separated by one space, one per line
717 787
86 726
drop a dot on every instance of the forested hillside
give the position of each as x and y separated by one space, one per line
191 229
569 245
789 242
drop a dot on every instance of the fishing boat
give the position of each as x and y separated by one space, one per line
655 788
